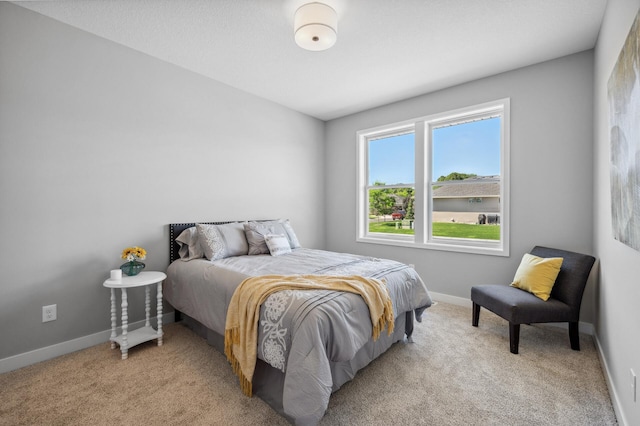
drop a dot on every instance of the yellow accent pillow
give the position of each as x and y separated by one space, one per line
537 275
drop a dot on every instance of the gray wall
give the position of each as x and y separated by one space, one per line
551 171
618 294
102 146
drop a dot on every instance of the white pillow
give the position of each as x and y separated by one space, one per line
189 244
278 244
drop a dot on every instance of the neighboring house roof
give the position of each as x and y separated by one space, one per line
474 188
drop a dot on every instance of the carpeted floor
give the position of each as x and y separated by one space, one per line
454 374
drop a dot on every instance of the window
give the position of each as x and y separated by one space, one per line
437 182
390 181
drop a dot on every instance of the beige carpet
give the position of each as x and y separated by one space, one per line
454 374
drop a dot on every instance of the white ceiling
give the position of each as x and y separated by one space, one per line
387 50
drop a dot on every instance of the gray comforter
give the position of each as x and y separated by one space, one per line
301 332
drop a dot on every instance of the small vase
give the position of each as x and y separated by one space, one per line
132 268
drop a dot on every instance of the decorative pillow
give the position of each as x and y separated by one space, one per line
278 244
189 244
537 275
256 231
220 241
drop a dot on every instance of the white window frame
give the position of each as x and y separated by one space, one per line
423 127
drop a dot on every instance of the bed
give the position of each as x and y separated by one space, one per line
309 342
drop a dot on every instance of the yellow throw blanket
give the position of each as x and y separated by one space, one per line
241 330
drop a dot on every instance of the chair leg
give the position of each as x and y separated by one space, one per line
514 337
574 336
476 314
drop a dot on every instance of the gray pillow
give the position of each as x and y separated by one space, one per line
220 241
256 231
189 244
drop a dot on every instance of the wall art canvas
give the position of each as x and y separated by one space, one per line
624 130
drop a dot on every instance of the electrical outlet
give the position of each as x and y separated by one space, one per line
633 385
49 313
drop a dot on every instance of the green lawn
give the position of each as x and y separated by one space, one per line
389 228
443 229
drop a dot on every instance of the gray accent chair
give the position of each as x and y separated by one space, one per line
521 307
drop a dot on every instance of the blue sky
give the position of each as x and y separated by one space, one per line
465 148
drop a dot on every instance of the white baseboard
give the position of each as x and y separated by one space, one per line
453 300
49 352
615 400
585 327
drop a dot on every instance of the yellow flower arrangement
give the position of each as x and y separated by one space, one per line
134 253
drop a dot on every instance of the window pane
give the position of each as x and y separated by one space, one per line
466 159
469 209
469 148
391 160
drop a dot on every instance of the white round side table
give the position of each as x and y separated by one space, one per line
129 339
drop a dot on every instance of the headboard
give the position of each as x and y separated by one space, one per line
176 228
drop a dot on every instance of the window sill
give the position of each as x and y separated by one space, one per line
486 248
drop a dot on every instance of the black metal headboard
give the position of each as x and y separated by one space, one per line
176 228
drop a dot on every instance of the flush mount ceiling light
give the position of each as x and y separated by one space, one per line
316 26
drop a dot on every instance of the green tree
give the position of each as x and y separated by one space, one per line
381 201
456 176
